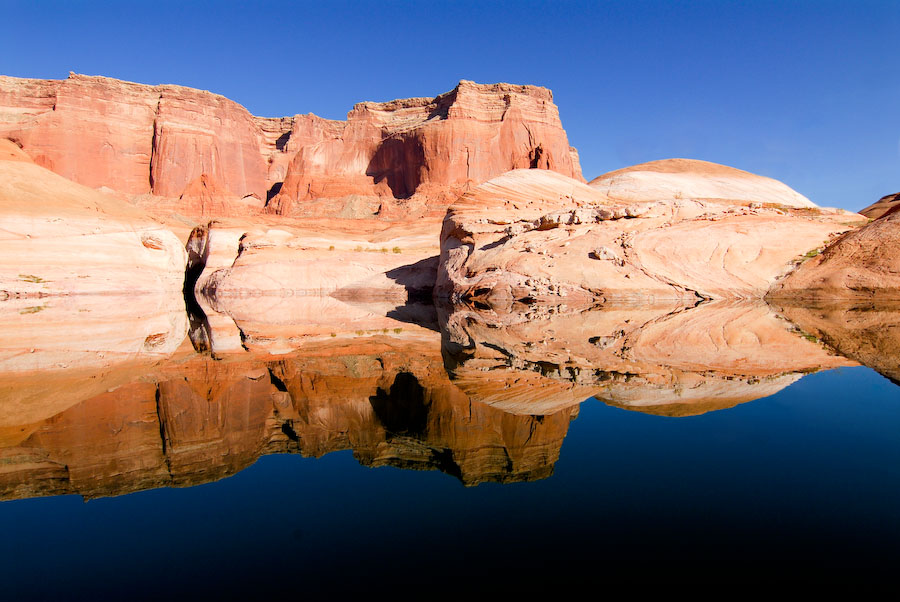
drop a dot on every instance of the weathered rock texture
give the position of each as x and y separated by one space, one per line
693 179
665 359
139 139
881 206
58 238
863 264
539 236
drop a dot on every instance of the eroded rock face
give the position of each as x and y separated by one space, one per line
429 147
862 264
61 238
881 206
693 179
541 237
158 140
668 359
133 138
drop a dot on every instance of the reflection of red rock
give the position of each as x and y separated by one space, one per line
191 422
138 139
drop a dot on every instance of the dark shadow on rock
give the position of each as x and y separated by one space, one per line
417 278
399 161
403 410
422 314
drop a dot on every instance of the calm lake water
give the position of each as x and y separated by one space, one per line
169 486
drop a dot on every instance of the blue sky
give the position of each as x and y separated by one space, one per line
805 92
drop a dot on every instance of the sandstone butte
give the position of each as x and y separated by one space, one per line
390 159
539 236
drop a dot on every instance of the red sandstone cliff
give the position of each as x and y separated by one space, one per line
139 139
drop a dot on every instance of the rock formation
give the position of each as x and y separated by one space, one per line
361 258
540 236
881 206
862 264
670 179
138 139
61 238
428 147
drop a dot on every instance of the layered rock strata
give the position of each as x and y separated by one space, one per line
428 147
539 236
158 140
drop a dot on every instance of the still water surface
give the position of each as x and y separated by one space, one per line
800 484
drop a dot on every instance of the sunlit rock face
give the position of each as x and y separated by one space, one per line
669 359
538 236
61 238
193 420
133 138
427 148
388 159
861 265
866 332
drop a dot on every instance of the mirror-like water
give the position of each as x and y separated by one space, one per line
480 449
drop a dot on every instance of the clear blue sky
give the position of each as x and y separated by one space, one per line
805 92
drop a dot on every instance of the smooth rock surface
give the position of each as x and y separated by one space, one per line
693 179
60 238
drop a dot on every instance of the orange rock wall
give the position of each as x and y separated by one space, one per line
139 139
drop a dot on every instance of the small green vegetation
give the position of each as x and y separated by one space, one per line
31 278
383 250
810 338
360 333
358 249
811 254
333 335
398 330
33 310
331 248
397 250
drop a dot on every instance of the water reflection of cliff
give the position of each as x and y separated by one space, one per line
103 398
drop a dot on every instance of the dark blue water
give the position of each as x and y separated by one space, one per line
801 485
